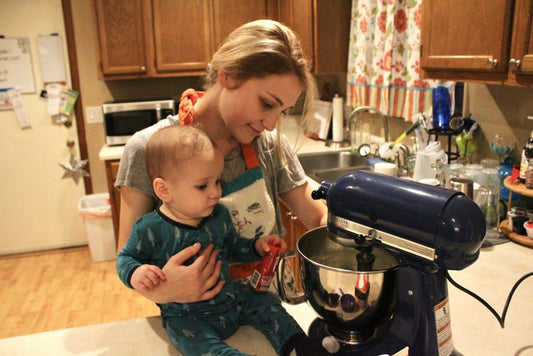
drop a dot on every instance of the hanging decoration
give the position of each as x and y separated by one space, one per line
384 59
74 168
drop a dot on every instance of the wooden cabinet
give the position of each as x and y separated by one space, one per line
111 169
120 38
485 41
295 229
162 38
324 29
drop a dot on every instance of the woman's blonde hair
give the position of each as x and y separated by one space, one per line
261 48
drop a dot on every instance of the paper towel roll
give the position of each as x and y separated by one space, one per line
338 119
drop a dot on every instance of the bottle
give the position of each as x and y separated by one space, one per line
441 108
527 154
263 274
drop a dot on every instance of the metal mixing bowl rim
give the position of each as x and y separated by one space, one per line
340 269
337 269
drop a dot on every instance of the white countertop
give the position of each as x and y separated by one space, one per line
109 153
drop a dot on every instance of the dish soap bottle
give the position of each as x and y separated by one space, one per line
527 154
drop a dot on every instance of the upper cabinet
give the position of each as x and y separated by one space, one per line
324 29
484 41
120 36
162 38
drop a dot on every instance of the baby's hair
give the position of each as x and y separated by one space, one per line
169 147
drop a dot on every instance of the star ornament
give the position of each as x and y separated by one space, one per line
74 169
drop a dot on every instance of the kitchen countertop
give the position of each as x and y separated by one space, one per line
475 331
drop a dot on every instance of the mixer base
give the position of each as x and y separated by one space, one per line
352 342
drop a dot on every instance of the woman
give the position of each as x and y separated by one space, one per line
254 78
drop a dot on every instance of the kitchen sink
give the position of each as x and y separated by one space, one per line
330 159
331 165
334 173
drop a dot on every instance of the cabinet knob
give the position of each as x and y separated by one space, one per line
143 69
492 62
514 63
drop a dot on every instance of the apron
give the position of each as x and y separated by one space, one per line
246 197
250 206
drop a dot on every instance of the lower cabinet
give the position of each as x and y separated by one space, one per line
295 229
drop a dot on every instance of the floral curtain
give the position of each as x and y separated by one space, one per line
384 59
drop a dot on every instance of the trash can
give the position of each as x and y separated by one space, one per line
96 212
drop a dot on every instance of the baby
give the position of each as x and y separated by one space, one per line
185 169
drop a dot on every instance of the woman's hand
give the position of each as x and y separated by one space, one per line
189 284
261 245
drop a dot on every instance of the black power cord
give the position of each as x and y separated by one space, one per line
501 319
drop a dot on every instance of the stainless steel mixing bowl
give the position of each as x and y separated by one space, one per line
354 298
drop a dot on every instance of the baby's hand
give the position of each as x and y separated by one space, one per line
261 245
146 277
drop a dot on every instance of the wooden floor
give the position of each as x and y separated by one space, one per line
63 289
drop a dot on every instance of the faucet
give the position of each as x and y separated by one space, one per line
353 122
400 158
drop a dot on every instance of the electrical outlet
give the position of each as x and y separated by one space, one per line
93 114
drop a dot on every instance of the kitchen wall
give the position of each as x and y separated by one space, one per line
501 110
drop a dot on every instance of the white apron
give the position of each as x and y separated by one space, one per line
250 206
253 215
248 201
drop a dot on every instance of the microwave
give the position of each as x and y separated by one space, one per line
122 120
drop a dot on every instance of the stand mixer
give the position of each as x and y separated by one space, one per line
376 275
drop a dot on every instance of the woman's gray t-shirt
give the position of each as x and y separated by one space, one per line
279 177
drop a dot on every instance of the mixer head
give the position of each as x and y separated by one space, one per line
415 221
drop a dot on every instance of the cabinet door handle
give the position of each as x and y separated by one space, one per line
514 63
492 62
143 69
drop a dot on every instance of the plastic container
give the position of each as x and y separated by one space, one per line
95 210
426 158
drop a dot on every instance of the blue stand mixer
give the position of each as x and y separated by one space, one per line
376 275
